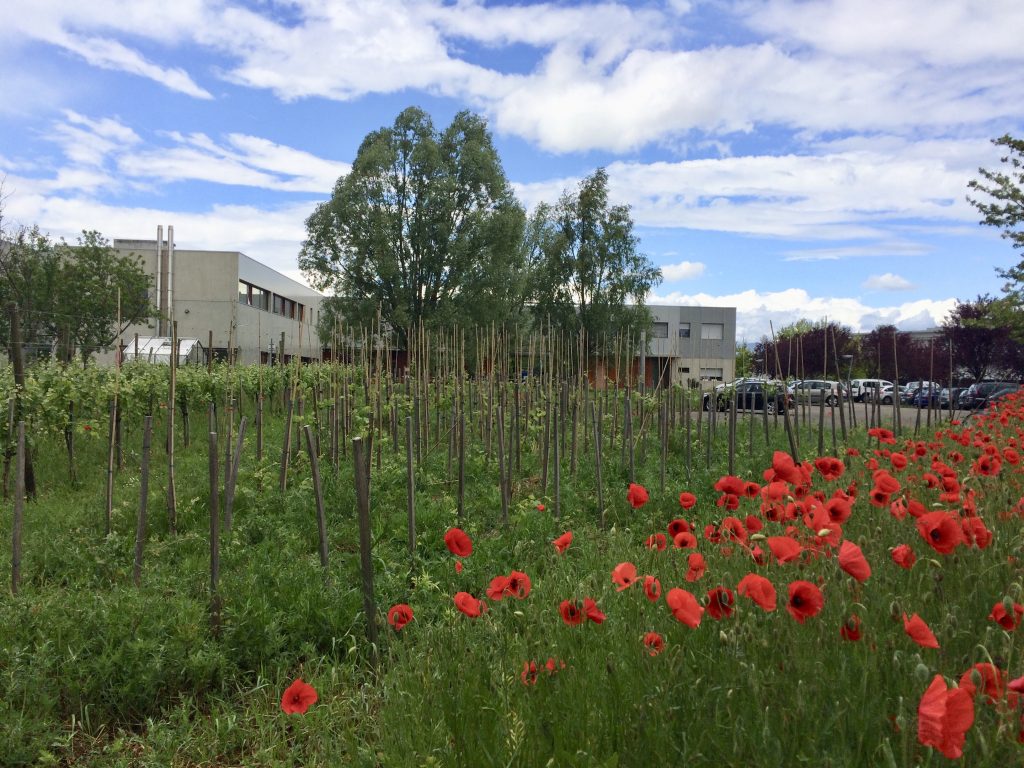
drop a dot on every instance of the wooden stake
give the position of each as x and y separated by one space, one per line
362 483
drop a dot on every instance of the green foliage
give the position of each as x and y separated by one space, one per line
423 229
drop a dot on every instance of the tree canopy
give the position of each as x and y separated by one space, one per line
586 266
424 228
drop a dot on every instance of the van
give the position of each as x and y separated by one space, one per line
861 389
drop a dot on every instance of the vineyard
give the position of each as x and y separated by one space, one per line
344 564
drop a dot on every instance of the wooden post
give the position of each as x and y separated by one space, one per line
140 524
557 463
110 470
362 482
282 479
214 538
321 517
410 486
18 363
462 462
597 462
19 509
172 501
232 478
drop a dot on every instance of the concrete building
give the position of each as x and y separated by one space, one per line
691 345
243 303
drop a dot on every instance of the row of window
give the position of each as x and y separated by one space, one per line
251 296
708 331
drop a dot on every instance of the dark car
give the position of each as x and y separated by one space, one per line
977 395
1000 392
755 396
925 397
950 395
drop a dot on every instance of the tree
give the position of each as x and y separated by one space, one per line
67 296
1004 208
979 341
587 271
801 349
424 228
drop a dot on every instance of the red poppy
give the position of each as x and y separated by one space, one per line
298 697
852 560
1017 686
518 585
529 673
624 575
976 534
784 548
652 588
458 566
678 526
904 556
552 665
805 600
941 530
684 540
851 628
399 616
759 589
458 542
719 603
987 465
786 469
885 482
571 613
753 524
654 643
497 588
697 566
592 612
684 607
883 435
636 496
838 509
562 542
656 541
733 529
918 631
540 507
830 467
730 485
687 500
992 681
1007 618
469 605
944 717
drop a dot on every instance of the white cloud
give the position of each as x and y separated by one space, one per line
684 270
757 312
887 282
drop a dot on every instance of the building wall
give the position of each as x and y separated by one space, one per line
205 297
706 348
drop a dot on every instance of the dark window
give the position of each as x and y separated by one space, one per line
659 331
684 330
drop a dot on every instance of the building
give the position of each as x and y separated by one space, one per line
226 300
691 345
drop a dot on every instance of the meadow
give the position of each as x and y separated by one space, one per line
587 577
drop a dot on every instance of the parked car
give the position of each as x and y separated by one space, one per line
861 389
977 395
814 391
911 388
925 397
885 395
948 396
1000 392
751 395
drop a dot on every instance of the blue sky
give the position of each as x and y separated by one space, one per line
787 157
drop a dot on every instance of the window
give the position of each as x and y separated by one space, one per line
711 373
659 331
684 330
260 298
278 304
684 369
712 331
244 293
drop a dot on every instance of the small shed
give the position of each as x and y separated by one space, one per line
157 349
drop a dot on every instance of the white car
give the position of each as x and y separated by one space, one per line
864 389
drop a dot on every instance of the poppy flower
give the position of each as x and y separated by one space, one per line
687 500
624 575
883 435
497 588
1017 686
469 605
552 665
458 542
529 673
518 585
656 541
784 548
730 485
592 612
830 467
654 643
652 588
697 566
851 628
458 566
540 507
885 482
719 603
571 613
636 496
904 556
944 716
562 542
759 589
678 526
1008 619
684 540
399 616
684 607
941 530
298 697
753 524
992 681
786 469
852 560
976 534
918 631
733 529
805 600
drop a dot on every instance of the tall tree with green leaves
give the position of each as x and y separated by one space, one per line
1002 206
424 228
588 272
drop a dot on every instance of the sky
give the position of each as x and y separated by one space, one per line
790 158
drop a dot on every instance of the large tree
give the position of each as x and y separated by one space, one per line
67 295
586 267
800 347
980 342
1002 206
424 228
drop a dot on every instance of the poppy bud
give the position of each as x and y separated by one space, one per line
1008 605
723 637
976 678
757 537
823 533
895 610
922 673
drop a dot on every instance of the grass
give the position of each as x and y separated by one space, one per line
94 671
